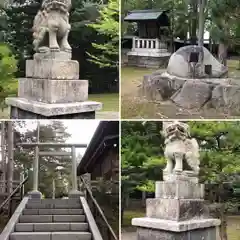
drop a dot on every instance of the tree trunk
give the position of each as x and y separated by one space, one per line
143 199
210 44
222 53
223 223
193 28
201 23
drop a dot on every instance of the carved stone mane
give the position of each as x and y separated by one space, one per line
180 149
51 26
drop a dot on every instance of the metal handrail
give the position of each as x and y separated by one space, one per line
12 194
98 208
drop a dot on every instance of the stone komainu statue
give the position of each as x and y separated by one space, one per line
181 149
51 26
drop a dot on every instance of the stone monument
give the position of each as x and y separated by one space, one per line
194 78
178 210
51 88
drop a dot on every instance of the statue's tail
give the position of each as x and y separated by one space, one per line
192 155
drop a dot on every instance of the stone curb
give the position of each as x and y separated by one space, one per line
175 226
9 228
96 235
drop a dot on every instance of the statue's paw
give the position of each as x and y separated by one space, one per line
43 49
55 49
66 49
167 170
177 170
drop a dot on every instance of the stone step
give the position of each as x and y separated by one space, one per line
54 203
33 205
51 218
51 227
57 200
53 211
50 236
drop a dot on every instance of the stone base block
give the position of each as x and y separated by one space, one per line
22 108
35 195
187 176
176 209
148 61
174 226
197 234
53 91
52 69
75 194
179 190
53 55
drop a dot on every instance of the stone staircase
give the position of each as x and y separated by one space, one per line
52 219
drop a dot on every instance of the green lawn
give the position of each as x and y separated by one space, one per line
110 101
233 228
129 215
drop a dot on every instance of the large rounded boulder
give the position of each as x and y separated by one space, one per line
179 63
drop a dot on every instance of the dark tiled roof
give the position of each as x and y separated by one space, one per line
139 15
105 135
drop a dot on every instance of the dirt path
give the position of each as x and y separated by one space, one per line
107 115
128 236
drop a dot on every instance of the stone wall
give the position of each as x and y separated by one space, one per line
148 61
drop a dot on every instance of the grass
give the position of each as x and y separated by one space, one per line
134 106
233 227
3 222
110 101
129 215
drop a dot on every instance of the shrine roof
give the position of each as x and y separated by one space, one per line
143 15
104 138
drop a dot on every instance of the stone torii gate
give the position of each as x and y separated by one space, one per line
35 193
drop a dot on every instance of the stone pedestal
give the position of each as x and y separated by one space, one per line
149 53
52 90
35 194
75 194
177 212
148 60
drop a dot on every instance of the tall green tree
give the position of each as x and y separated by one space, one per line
141 148
8 66
224 17
108 25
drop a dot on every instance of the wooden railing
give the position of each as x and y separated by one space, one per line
4 185
148 43
106 231
9 199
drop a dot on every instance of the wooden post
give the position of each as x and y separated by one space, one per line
36 163
35 193
3 162
74 193
10 158
74 169
53 189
